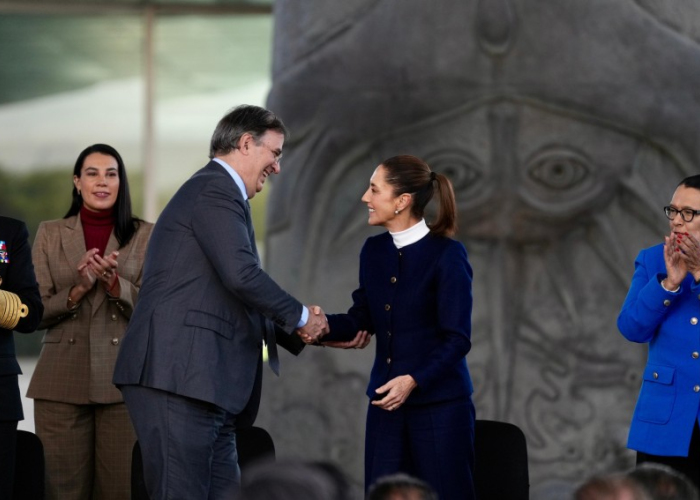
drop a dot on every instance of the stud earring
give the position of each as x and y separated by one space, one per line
396 212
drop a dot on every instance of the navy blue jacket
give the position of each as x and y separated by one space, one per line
16 276
417 302
197 329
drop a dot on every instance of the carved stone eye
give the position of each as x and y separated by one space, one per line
461 169
558 170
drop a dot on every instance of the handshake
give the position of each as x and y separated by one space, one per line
317 326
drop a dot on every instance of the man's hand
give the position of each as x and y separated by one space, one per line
316 326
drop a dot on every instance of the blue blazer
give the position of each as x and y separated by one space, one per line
417 302
669 400
16 276
197 328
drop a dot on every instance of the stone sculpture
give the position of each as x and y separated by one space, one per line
564 126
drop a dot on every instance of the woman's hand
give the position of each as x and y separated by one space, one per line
676 265
360 341
86 280
105 270
85 272
397 390
690 253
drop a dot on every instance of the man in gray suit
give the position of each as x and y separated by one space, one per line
190 364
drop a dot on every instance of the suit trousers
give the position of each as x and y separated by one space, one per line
433 442
8 447
188 446
688 466
87 450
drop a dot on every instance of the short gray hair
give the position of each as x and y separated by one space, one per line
241 119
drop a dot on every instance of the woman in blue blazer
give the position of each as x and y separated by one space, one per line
415 298
662 309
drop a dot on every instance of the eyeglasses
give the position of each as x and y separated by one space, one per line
275 152
687 213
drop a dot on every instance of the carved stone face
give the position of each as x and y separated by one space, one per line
521 174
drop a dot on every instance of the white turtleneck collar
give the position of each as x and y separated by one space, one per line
410 235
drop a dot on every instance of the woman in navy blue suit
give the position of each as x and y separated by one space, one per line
662 309
415 298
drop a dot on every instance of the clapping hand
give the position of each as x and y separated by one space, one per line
85 272
689 252
104 269
675 259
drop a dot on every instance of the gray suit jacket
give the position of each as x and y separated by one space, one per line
198 326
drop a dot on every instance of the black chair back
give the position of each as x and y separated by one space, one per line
253 444
501 471
29 467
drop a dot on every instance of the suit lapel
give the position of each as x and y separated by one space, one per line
73 243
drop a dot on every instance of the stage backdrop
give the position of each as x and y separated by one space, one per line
564 126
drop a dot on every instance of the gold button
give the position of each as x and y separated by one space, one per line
387 307
667 302
393 279
115 341
388 361
656 375
696 355
693 321
71 341
114 317
696 388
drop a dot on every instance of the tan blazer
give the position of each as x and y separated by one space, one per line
80 347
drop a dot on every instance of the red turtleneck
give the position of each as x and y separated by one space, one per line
97 227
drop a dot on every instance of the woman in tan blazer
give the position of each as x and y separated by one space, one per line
89 267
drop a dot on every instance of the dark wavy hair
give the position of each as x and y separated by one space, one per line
411 175
125 224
